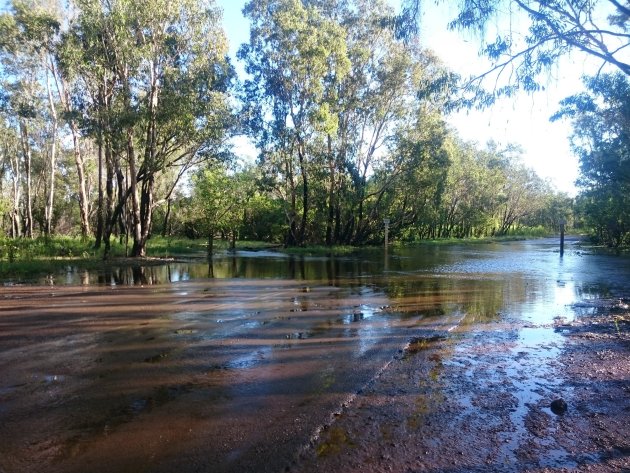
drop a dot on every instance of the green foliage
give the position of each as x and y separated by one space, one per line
297 58
315 250
553 29
347 117
263 219
161 247
218 197
153 90
330 100
531 232
28 249
601 140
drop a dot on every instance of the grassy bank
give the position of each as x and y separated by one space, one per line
472 241
321 250
22 258
23 250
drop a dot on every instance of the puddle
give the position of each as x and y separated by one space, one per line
54 378
534 387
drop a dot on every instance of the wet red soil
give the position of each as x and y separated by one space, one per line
209 376
482 403
275 376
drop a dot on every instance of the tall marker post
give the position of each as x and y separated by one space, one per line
562 224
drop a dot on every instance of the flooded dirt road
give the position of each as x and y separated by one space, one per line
307 364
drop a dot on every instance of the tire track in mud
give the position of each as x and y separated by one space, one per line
476 401
431 331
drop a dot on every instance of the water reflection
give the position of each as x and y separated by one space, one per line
494 270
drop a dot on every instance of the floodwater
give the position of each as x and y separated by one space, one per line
238 365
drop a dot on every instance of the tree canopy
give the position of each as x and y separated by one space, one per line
525 38
115 123
601 139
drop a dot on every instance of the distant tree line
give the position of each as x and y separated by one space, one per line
115 122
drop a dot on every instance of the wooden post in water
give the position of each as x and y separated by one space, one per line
562 224
386 222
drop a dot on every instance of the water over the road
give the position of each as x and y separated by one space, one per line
235 365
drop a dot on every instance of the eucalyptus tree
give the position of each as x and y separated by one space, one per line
506 192
471 186
410 186
397 128
161 100
219 196
295 57
27 35
387 83
556 207
94 110
11 174
375 97
35 30
547 31
601 140
10 171
337 64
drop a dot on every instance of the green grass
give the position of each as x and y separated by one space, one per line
319 250
23 259
342 250
463 241
27 249
515 236
161 247
23 250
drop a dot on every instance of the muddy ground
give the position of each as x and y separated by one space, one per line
137 389
480 400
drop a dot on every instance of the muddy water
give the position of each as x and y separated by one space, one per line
237 366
